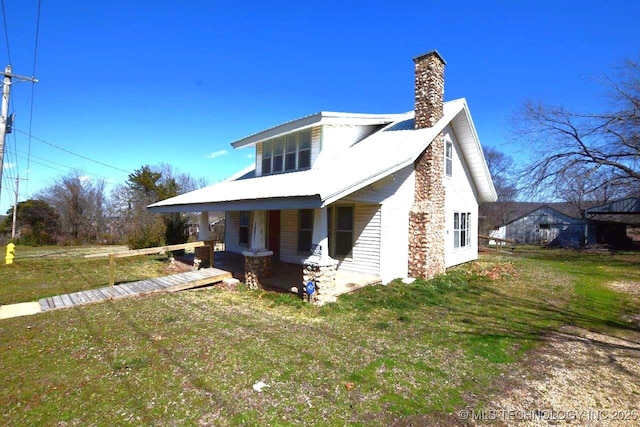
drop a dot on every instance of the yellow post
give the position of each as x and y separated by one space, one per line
112 266
11 253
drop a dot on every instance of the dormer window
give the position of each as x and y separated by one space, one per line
287 153
278 148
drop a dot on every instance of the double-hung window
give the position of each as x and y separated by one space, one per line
305 230
340 230
243 238
304 149
461 228
291 152
267 154
278 154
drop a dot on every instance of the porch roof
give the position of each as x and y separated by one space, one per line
337 175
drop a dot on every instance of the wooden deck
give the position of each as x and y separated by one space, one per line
173 283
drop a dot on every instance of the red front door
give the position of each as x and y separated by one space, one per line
273 238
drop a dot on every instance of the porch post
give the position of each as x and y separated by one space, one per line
258 239
320 268
257 260
320 232
203 230
202 255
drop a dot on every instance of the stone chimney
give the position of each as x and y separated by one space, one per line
427 219
429 89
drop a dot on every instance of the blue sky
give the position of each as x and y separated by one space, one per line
129 83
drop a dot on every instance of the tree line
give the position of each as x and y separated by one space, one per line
77 210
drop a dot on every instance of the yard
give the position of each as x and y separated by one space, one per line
47 271
540 329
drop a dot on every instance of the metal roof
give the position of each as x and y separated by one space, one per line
317 119
338 174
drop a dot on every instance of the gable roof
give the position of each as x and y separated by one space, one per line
336 175
514 211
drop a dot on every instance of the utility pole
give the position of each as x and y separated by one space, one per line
4 120
15 210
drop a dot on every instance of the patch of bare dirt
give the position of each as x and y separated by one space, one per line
175 266
494 271
632 288
578 377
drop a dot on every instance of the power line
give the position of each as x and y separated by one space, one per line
59 164
47 166
6 31
71 152
35 59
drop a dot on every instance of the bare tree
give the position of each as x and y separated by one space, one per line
502 171
601 147
79 202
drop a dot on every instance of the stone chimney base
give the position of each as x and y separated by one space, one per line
427 218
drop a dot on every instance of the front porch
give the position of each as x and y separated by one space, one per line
288 277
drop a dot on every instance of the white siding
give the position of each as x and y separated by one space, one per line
395 228
232 232
395 195
366 234
460 197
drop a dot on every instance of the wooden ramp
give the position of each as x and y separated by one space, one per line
173 283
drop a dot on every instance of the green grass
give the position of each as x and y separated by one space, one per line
383 354
47 271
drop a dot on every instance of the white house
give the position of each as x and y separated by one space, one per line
393 195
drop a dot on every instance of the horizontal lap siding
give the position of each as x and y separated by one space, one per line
366 250
395 194
232 232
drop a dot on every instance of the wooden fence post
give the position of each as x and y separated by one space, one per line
112 266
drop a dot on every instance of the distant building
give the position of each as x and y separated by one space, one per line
563 224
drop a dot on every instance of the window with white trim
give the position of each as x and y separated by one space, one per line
305 230
461 229
340 227
287 153
448 158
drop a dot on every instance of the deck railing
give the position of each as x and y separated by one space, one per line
499 242
151 251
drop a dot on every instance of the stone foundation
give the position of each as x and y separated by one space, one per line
257 267
322 272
